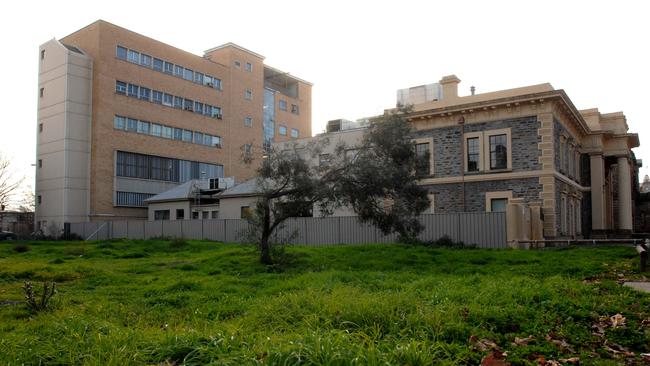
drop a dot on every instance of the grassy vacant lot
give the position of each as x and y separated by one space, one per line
156 302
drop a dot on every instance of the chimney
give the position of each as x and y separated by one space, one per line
449 86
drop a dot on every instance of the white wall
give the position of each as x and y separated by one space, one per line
230 208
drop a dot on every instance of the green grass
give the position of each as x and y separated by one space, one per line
156 302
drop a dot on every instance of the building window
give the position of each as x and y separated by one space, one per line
131 199
145 60
237 64
217 83
187 136
40 163
39 199
198 78
487 150
215 214
143 127
167 132
248 122
249 67
169 68
134 56
40 127
248 149
131 124
121 52
120 87
498 152
158 64
294 133
432 204
188 105
198 107
42 54
216 141
178 71
198 138
156 130
178 134
497 201
157 97
133 90
188 74
248 94
578 219
180 214
205 215
473 154
41 92
282 130
168 100
195 215
246 212
294 109
282 104
161 215
216 112
178 102
563 214
145 93
424 157
119 123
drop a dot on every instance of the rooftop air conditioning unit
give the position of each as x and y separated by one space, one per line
209 84
218 116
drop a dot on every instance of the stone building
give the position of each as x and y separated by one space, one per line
529 146
123 117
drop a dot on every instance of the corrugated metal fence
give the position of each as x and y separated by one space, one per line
482 229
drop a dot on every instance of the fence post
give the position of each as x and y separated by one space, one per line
339 230
458 227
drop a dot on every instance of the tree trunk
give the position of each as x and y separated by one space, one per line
265 248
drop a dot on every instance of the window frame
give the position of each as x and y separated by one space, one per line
248 121
429 141
489 196
297 133
484 150
281 128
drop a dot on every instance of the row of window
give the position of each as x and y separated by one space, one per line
282 130
180 214
282 104
569 158
151 167
487 150
131 199
166 67
158 97
158 130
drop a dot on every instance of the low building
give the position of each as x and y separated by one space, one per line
18 222
194 199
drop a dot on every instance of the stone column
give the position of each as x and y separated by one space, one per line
597 192
624 194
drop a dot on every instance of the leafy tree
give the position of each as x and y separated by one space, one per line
378 182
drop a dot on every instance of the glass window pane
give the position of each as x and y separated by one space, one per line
198 138
167 132
143 127
498 204
131 124
168 100
157 97
498 152
207 139
134 56
134 90
178 102
294 133
216 141
120 87
198 107
178 134
145 60
472 154
119 123
178 71
145 93
169 67
156 129
188 75
198 78
283 130
121 52
158 64
188 105
187 135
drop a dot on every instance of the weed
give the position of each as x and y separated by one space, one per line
178 243
34 304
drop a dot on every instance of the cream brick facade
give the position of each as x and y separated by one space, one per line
62 105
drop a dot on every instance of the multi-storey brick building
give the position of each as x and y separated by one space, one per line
122 117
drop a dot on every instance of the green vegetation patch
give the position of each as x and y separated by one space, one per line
192 302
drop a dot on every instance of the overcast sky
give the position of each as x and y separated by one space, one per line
358 54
